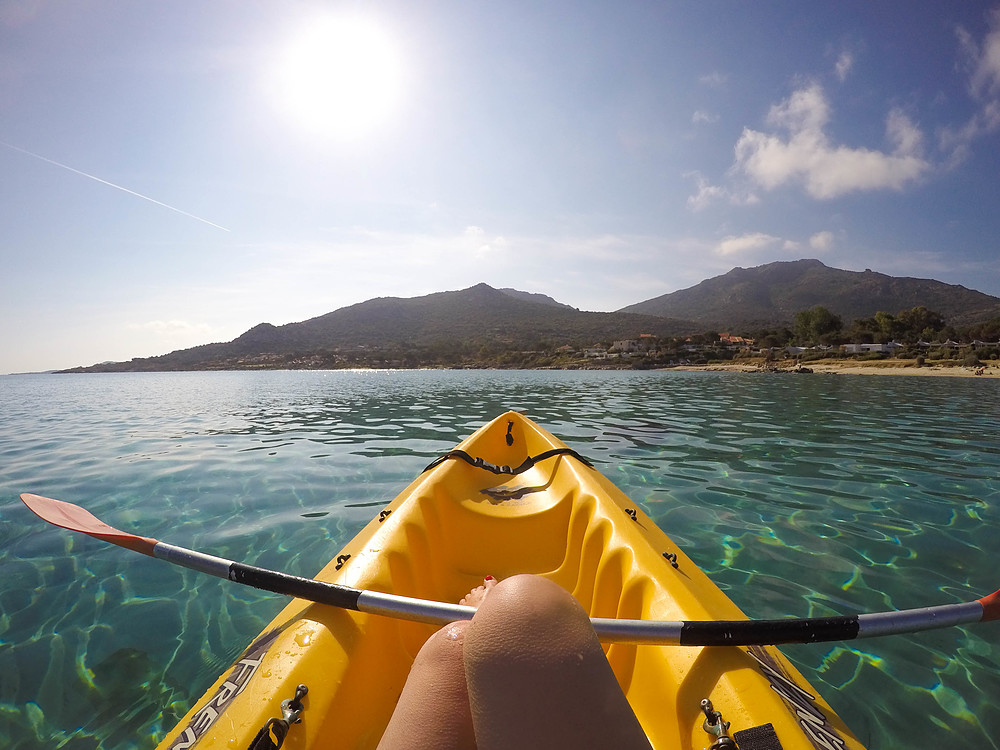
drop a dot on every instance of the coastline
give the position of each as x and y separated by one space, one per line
907 367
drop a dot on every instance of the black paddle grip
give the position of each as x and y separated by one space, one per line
766 632
333 594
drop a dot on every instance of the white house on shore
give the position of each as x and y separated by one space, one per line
891 348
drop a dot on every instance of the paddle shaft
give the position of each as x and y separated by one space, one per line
691 633
322 592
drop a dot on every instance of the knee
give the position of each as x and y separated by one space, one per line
533 597
443 650
530 613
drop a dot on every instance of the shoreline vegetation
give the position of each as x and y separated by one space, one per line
791 365
952 368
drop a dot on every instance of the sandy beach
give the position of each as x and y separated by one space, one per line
853 367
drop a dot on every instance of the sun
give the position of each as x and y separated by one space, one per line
339 78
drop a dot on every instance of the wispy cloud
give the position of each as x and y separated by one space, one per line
735 245
982 62
482 245
821 241
983 59
713 80
747 244
703 117
844 65
706 194
806 155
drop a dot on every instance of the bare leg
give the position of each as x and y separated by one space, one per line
433 709
537 676
527 672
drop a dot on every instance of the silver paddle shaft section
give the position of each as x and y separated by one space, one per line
914 620
608 630
654 632
408 608
188 558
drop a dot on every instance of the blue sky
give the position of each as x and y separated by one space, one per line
175 173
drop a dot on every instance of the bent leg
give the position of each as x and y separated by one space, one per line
537 676
433 709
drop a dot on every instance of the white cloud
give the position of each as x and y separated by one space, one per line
713 80
753 241
906 136
827 170
805 111
821 241
983 63
957 142
985 59
483 247
733 244
701 116
707 193
844 65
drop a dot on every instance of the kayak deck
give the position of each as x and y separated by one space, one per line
457 523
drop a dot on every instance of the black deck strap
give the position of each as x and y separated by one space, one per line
758 738
530 461
264 739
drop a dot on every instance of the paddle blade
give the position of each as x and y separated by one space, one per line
991 606
75 518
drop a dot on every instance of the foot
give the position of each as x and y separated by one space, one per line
475 597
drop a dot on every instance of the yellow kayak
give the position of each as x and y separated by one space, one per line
510 499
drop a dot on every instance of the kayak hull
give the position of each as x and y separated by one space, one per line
457 523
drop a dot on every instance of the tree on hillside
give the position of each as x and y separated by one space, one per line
988 331
862 331
772 337
908 327
919 322
817 326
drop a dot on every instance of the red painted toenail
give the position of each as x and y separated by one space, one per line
489 578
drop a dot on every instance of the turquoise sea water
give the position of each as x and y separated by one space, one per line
799 495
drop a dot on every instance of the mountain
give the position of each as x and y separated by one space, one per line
486 327
534 297
770 295
469 326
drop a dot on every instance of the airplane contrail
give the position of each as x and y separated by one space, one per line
111 184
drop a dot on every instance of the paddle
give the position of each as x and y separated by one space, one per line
692 633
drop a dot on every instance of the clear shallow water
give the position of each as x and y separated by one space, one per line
798 495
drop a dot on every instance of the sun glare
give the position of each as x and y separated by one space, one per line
340 78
